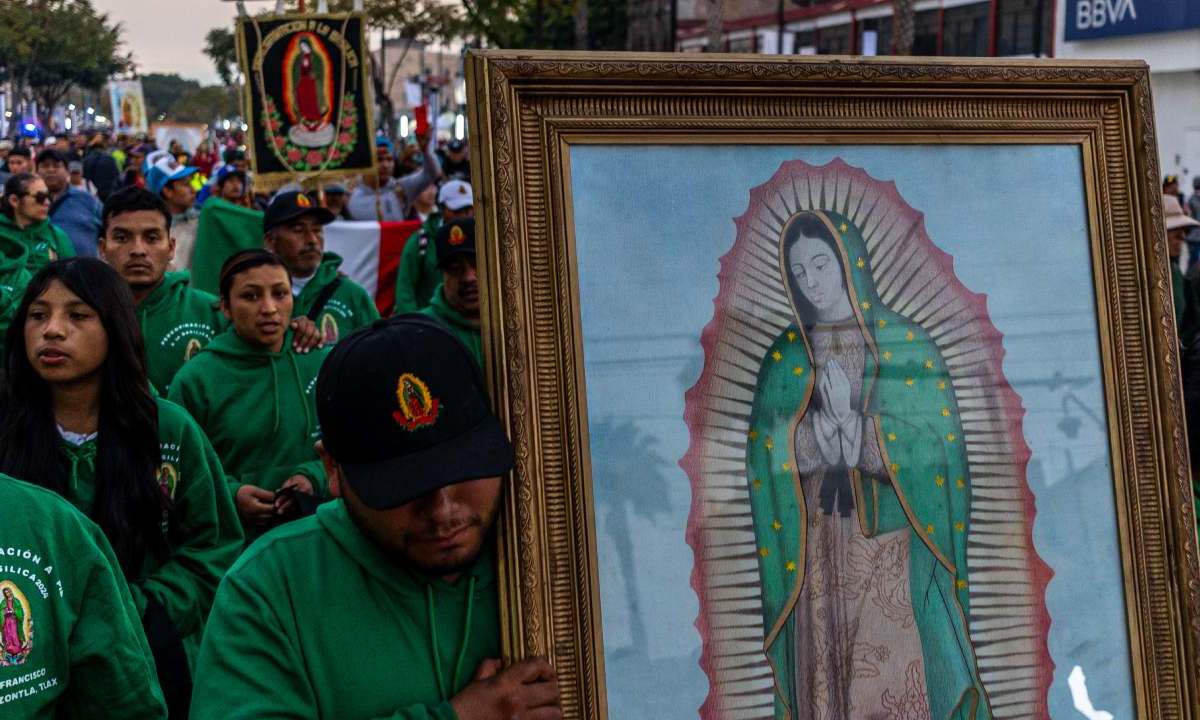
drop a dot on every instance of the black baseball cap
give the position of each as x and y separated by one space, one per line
288 206
403 411
50 155
455 237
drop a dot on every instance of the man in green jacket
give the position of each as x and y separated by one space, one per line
455 302
72 644
24 217
177 320
401 568
419 275
294 230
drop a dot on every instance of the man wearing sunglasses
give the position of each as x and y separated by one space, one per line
25 218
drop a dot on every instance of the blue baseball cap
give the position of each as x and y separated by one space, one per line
165 170
229 170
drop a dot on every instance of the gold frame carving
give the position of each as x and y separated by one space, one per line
528 107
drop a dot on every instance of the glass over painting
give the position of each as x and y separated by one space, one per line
849 447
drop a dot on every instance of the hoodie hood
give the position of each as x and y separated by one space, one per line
326 272
12 256
168 292
434 594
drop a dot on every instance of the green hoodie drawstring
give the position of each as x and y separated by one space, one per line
433 639
78 454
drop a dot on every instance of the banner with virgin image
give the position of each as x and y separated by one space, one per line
307 97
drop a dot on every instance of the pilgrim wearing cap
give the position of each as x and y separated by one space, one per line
399 570
294 230
455 163
455 301
167 177
419 275
1178 224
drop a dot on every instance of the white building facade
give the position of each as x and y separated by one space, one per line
1164 33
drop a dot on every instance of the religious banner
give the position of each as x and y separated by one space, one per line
128 107
306 97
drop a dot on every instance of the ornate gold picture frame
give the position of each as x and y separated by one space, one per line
873 176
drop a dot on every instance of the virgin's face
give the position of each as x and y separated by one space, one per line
817 273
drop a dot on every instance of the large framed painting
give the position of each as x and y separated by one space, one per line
307 96
840 388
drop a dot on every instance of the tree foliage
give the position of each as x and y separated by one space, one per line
220 46
204 104
161 91
546 24
51 46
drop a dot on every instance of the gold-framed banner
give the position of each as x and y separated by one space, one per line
307 96
840 387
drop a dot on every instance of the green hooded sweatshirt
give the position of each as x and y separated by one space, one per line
43 242
418 275
258 408
72 643
305 595
348 309
13 279
454 320
203 528
177 322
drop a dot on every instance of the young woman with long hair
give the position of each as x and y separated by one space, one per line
252 392
77 417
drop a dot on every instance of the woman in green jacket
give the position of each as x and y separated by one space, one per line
24 217
77 417
252 392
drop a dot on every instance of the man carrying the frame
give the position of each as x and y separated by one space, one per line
399 572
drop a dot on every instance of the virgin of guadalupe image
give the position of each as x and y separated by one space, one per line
880 534
306 67
13 629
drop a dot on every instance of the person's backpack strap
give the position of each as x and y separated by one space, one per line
323 298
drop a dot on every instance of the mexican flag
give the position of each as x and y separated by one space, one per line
370 251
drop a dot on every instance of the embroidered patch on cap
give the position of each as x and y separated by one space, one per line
457 236
303 201
418 409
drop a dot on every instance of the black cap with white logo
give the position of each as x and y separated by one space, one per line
403 411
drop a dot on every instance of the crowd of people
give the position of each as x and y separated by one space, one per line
219 500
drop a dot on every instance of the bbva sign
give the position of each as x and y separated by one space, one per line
1092 19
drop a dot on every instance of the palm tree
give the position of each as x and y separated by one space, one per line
902 26
581 24
627 465
716 19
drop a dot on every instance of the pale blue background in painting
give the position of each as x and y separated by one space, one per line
651 225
